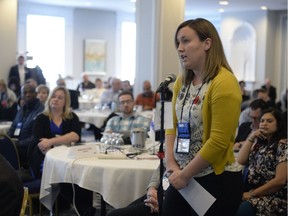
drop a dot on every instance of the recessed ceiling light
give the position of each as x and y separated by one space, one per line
223 3
88 3
133 1
221 10
264 8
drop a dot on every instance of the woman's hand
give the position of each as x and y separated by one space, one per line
152 200
44 145
246 196
177 179
259 134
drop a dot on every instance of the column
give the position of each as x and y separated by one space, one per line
156 56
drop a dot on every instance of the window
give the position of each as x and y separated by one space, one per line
128 51
46 44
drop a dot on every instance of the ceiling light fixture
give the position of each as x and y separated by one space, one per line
221 10
264 8
223 3
133 1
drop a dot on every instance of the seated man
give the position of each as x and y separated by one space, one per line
11 189
86 84
21 128
257 94
128 118
255 109
147 98
111 95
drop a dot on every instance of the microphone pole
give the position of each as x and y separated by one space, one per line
161 153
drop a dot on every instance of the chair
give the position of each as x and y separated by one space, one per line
24 202
9 151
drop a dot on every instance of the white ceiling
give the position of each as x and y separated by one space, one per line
195 7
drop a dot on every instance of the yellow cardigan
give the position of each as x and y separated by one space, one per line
221 111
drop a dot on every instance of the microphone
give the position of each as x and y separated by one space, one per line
171 78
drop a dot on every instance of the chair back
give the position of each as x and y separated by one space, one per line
9 151
24 201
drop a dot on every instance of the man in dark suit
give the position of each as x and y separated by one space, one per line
271 90
11 189
19 73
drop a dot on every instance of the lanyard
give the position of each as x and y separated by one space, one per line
195 100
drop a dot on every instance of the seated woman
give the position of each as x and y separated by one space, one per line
264 152
8 102
57 125
42 93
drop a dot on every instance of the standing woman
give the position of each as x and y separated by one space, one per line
266 156
206 107
57 125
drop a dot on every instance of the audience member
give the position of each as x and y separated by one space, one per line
266 183
271 90
126 86
111 95
146 205
85 84
42 93
257 94
14 85
148 98
256 107
11 189
128 118
22 126
74 102
8 102
57 125
245 93
32 82
99 87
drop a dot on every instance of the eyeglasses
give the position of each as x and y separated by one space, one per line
126 101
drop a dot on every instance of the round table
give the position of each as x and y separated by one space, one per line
119 181
93 116
4 127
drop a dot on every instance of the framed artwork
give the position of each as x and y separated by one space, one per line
95 56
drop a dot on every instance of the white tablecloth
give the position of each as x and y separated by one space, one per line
118 181
86 103
92 116
4 127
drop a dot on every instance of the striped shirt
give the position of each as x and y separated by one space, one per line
119 124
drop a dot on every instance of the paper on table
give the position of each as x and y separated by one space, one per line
198 198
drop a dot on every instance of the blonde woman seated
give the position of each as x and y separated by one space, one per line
57 125
265 154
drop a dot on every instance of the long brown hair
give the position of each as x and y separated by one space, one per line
215 54
66 114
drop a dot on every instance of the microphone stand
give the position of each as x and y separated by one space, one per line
161 153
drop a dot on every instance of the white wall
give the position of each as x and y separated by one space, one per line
94 24
268 37
8 36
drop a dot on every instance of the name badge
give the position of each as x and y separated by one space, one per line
18 129
183 139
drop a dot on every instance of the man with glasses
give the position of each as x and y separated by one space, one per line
128 119
256 107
